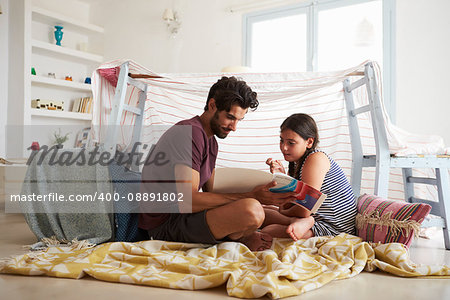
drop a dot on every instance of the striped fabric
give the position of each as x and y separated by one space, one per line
176 97
337 213
384 221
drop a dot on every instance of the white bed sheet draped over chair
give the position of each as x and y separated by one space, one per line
175 97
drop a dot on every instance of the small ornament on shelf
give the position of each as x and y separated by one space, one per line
58 34
35 146
51 75
68 78
83 138
33 71
87 80
47 104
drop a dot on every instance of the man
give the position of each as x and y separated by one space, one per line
211 217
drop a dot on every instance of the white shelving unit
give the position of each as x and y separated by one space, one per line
60 83
60 114
34 22
47 16
53 49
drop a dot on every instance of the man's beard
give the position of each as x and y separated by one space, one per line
215 127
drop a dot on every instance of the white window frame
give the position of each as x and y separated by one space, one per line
311 8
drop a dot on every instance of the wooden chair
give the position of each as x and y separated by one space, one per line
383 160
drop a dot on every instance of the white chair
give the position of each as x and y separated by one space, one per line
383 160
119 107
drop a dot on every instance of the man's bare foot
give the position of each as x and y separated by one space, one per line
300 228
257 241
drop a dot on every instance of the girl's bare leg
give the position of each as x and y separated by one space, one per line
273 216
276 230
275 223
300 228
281 226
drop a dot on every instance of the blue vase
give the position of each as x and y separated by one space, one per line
58 35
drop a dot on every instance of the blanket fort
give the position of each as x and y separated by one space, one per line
289 268
174 97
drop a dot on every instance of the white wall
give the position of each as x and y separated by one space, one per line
209 39
4 26
75 9
423 67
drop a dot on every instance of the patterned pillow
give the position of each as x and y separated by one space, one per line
380 220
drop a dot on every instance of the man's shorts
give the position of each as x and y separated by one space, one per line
186 228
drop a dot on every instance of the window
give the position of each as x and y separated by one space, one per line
323 35
349 35
273 46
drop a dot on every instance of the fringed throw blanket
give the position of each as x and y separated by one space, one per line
289 268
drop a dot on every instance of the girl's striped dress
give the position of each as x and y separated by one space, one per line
338 212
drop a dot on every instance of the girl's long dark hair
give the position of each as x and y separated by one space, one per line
305 126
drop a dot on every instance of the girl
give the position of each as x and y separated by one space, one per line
299 138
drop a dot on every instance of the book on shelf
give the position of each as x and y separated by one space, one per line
242 180
86 103
82 105
89 107
76 104
306 196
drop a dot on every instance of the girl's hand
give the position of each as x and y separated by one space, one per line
275 166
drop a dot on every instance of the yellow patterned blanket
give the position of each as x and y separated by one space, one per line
289 268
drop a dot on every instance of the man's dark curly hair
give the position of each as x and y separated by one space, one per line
228 91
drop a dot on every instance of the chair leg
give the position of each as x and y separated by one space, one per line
382 180
408 186
443 185
356 177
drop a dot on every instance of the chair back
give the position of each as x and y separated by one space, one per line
119 108
375 109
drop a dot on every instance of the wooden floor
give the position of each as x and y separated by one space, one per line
14 233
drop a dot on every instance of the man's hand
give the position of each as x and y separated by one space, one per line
275 166
264 196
